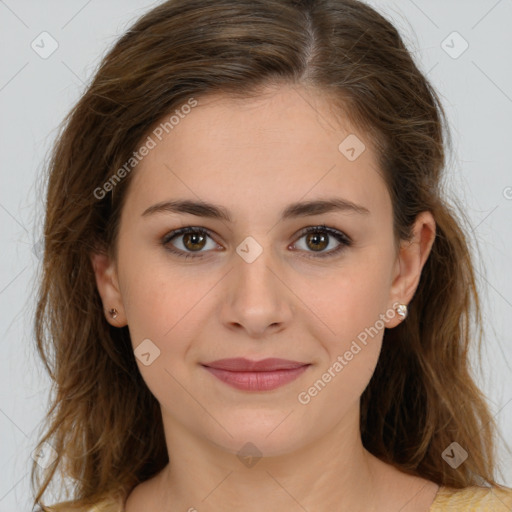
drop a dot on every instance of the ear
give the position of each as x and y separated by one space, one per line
108 287
410 261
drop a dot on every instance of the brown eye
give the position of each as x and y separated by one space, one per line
194 241
318 238
186 241
318 241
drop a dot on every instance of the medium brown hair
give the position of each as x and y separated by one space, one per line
104 423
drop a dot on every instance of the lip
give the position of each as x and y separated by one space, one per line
241 364
248 375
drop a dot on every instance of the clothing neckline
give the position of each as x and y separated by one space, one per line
440 489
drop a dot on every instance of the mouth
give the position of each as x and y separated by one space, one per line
248 375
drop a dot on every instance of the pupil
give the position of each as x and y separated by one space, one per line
315 238
194 237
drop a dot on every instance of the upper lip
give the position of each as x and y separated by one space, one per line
240 364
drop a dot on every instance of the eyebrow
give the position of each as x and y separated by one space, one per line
294 210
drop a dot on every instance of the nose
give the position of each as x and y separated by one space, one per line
257 298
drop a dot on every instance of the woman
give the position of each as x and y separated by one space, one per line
255 295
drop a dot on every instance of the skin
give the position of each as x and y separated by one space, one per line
254 157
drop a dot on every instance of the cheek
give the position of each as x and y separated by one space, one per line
352 298
161 304
147 292
351 351
164 307
350 305
166 302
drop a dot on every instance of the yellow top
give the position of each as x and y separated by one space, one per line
473 499
470 499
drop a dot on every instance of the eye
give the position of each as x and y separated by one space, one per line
318 237
194 239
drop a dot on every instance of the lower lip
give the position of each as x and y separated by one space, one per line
257 381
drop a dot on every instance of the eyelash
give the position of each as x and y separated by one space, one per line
344 240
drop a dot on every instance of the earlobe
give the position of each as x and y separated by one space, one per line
412 257
108 287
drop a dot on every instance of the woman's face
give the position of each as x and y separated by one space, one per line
256 286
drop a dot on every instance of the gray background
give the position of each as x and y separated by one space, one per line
36 93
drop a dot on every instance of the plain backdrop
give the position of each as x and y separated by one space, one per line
471 69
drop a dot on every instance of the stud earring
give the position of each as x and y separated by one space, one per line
113 312
401 309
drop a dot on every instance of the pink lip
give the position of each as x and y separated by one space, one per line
264 375
240 364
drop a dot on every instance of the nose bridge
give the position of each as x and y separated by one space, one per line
257 297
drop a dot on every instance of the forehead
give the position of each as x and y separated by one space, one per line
268 150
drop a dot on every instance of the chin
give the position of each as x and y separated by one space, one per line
259 440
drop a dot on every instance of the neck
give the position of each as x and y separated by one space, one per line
332 472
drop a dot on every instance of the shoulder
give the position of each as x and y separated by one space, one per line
473 499
103 505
